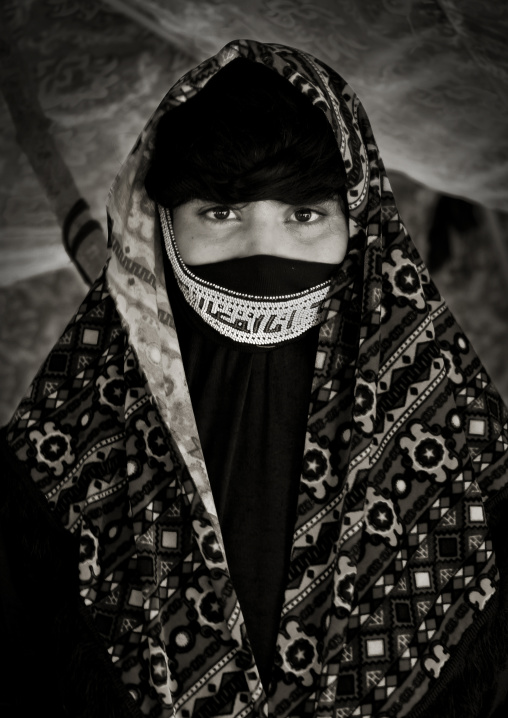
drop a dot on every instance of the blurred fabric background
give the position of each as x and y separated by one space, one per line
79 79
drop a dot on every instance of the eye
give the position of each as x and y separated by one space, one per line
305 214
218 213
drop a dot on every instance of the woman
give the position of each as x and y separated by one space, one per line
260 306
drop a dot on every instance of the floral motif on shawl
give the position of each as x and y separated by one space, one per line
392 569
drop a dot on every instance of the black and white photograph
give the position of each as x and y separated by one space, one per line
254 358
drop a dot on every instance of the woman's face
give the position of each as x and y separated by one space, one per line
206 232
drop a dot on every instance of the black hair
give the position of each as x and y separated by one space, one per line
248 135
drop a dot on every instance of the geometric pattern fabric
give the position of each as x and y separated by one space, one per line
392 567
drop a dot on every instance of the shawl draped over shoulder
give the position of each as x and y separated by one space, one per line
396 599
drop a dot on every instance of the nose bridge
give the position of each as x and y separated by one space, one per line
260 234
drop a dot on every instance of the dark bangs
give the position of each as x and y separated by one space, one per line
248 135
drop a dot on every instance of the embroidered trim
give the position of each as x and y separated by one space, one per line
243 317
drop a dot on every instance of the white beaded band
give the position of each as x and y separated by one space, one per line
242 317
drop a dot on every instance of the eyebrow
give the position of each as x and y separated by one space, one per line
222 203
330 200
242 205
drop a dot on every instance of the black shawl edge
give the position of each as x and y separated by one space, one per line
55 662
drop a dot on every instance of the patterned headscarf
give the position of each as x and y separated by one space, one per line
392 572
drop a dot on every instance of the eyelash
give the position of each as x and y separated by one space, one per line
312 211
218 208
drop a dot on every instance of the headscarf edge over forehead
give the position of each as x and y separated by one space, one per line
392 566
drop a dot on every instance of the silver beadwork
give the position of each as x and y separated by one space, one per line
245 318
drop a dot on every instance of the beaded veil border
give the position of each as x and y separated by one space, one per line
246 318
